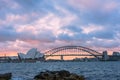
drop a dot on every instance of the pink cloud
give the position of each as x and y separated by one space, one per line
91 28
12 4
84 4
110 6
103 5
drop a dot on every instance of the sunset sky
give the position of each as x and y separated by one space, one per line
46 24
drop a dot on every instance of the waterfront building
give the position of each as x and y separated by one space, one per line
116 54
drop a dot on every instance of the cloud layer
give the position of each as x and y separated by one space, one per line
46 24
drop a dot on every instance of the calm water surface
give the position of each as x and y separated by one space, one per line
91 70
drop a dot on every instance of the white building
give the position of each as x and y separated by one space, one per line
32 53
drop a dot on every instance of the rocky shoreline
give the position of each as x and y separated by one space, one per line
6 76
49 75
58 75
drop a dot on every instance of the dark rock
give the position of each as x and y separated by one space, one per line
64 73
6 76
77 77
58 75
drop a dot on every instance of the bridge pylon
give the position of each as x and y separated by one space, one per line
62 57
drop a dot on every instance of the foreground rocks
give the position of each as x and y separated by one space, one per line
58 75
6 76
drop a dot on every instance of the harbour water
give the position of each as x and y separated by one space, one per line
91 70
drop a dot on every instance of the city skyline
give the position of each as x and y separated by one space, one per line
46 24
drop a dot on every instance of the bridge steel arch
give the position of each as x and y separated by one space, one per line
85 49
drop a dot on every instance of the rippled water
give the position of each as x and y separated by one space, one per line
91 70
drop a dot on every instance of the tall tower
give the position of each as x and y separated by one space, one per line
105 56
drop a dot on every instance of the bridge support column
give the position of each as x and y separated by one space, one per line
62 57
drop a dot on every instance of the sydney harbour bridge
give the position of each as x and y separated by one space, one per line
73 51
